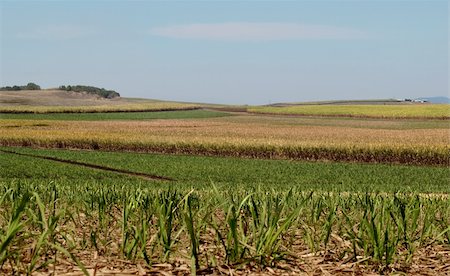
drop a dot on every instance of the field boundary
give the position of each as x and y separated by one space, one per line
94 166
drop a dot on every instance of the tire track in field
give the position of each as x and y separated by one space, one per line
94 166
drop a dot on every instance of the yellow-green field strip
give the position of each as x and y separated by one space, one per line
98 109
423 111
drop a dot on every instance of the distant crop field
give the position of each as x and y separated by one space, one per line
272 216
245 136
131 107
99 116
441 111
218 198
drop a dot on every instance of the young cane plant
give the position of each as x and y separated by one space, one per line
193 232
16 225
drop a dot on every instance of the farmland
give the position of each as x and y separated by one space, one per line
260 138
219 214
138 107
198 171
57 101
245 136
366 111
202 192
100 116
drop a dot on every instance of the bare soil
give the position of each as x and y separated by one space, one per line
434 260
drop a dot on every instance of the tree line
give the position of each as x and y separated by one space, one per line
109 94
29 86
102 92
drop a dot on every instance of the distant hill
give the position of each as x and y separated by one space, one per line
55 97
437 100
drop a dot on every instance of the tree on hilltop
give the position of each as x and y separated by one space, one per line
102 92
32 86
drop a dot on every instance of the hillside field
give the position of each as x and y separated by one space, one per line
58 101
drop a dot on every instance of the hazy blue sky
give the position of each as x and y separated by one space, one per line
250 52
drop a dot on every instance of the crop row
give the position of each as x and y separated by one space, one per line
105 116
440 156
199 171
224 137
132 107
44 226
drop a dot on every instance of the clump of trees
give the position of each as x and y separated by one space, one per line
29 86
102 92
